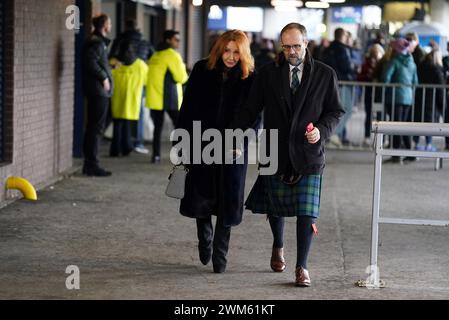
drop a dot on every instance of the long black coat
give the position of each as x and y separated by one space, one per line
338 57
429 73
316 101
214 189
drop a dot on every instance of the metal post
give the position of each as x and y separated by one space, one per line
423 103
413 103
393 116
374 275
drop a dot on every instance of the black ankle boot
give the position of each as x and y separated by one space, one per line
204 232
205 253
219 264
220 246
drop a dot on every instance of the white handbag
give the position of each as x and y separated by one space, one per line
177 179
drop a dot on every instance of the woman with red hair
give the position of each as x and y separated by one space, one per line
218 86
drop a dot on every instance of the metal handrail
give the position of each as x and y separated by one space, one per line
383 84
428 104
392 128
411 128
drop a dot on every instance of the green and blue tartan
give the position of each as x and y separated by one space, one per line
271 196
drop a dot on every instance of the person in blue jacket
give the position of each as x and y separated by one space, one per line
401 69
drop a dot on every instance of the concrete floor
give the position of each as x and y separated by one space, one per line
130 242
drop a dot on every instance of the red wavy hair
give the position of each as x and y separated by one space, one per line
241 40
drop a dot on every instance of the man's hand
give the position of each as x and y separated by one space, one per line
313 136
106 85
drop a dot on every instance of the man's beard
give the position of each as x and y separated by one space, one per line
294 60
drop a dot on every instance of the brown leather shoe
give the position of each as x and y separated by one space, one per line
302 277
277 260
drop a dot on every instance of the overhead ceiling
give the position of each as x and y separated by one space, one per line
266 3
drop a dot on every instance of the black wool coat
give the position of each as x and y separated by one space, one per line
214 189
316 101
429 73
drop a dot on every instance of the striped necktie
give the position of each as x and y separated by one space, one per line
295 80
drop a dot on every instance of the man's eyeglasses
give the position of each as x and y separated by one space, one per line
287 47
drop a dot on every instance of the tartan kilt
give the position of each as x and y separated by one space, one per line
271 196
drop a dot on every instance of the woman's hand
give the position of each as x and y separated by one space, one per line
234 154
237 153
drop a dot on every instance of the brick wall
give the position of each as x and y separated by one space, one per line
40 91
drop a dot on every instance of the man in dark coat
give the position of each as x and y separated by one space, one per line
97 84
430 71
446 65
293 92
338 57
446 75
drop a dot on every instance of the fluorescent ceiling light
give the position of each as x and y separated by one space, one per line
215 12
317 5
333 1
321 28
286 3
285 9
197 3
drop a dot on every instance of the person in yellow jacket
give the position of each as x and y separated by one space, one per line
129 78
166 75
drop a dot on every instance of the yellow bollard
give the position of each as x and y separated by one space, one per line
22 185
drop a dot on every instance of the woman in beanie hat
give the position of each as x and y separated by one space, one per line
401 69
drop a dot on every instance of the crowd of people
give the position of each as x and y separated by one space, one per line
120 83
403 61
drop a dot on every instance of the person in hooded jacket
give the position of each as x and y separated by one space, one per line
129 78
217 88
166 75
143 50
401 69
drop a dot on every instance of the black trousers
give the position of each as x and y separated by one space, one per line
121 138
369 111
158 120
97 110
220 238
402 113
